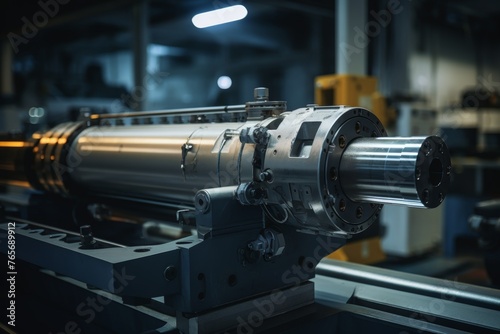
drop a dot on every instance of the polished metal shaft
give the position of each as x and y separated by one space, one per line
411 171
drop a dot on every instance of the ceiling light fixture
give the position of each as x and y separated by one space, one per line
224 82
219 16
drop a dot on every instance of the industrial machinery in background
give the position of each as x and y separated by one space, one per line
486 222
352 90
255 205
472 132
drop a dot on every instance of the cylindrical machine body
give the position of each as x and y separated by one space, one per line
168 163
322 169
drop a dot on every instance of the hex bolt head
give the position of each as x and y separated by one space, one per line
87 239
261 93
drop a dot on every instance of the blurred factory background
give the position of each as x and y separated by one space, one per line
425 67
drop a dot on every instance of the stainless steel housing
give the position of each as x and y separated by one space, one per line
306 168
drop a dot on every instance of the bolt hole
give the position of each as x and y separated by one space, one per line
357 127
201 295
201 276
333 174
170 273
142 250
201 202
427 148
359 212
425 196
342 141
342 205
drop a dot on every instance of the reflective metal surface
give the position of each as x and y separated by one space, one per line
322 169
412 171
144 161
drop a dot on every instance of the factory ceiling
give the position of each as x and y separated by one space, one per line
270 24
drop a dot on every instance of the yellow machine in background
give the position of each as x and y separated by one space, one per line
355 90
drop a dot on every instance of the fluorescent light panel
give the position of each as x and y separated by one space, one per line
219 16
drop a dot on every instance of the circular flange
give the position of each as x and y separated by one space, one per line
349 216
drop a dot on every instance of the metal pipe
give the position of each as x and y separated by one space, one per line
412 171
399 281
173 112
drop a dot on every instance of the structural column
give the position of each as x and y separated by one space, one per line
351 42
140 42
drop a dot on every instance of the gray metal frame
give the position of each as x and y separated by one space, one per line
194 274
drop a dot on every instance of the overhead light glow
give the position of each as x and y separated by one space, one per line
224 82
164 50
219 16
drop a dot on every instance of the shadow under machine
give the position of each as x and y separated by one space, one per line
216 226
